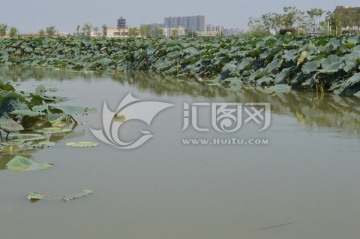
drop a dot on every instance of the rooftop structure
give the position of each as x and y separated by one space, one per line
121 23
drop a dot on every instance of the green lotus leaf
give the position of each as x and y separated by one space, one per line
20 164
42 145
54 130
40 108
310 66
281 77
72 110
280 88
119 118
9 125
27 137
35 196
27 113
341 88
333 68
40 90
264 81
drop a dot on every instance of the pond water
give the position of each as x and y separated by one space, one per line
302 183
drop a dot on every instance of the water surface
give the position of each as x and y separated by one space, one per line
303 184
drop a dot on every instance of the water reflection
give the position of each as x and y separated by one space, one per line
308 108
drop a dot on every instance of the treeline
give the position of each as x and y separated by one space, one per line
314 20
7 30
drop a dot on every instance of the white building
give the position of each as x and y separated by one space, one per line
175 32
214 30
117 33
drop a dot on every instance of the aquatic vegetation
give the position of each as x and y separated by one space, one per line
82 144
36 196
33 112
20 164
316 63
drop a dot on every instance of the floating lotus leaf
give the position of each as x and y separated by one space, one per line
56 120
82 144
54 130
42 145
72 110
36 196
19 164
27 137
83 193
119 118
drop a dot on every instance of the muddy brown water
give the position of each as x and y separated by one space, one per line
303 184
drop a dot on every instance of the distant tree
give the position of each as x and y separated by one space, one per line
145 30
42 32
134 32
86 29
78 30
13 31
266 22
292 17
158 32
3 29
315 14
96 31
104 30
339 22
328 23
50 31
174 32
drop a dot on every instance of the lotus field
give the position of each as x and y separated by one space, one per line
320 63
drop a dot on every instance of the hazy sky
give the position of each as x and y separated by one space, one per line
32 15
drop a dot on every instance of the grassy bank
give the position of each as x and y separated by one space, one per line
323 64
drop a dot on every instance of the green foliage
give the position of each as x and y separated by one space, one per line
306 62
50 31
13 31
36 112
86 30
291 18
3 29
20 164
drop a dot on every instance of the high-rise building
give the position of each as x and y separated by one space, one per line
121 23
191 23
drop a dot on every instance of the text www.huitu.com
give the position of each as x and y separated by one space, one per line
227 141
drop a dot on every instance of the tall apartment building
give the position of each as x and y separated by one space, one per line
191 23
